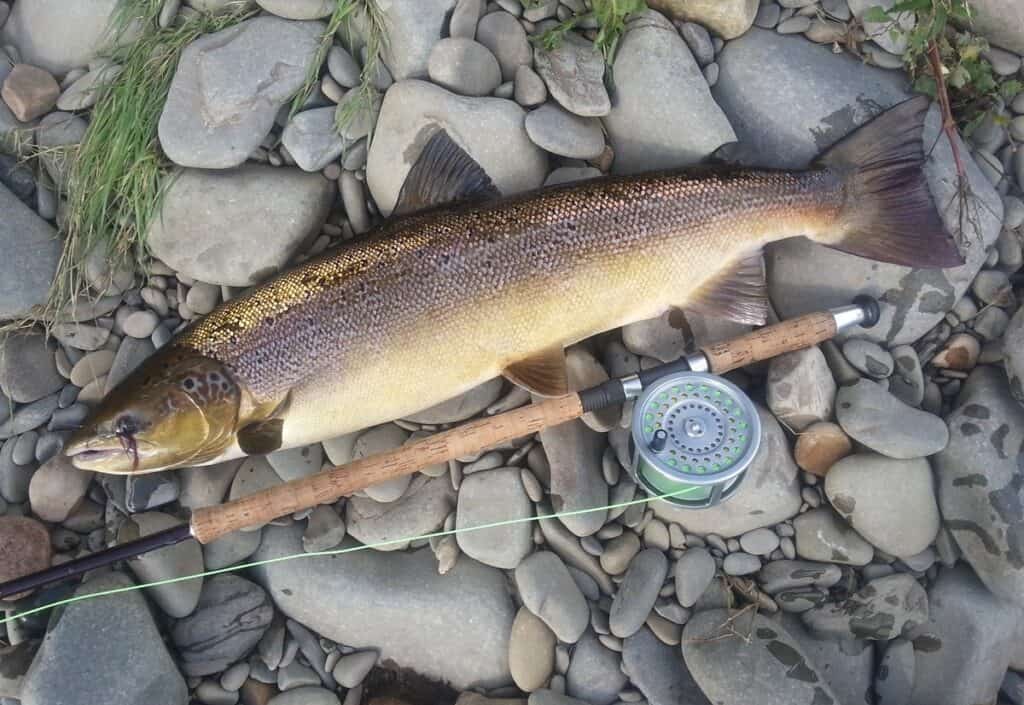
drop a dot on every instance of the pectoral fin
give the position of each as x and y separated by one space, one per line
261 437
738 293
543 374
443 173
264 436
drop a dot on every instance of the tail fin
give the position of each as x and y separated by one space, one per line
889 213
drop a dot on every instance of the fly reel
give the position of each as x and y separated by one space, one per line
693 437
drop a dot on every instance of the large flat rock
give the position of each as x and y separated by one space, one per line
31 251
453 627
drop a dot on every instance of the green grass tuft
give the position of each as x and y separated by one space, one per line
117 174
611 16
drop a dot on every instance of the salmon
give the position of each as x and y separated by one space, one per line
462 285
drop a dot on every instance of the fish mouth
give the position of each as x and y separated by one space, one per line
107 455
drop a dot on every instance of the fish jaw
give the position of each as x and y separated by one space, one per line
109 454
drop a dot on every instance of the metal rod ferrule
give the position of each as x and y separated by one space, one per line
863 311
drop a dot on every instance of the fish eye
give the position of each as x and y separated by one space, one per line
126 425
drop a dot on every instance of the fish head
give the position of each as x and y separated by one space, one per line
178 408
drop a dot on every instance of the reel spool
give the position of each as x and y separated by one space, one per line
693 434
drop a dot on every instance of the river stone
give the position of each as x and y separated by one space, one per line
574 453
489 129
664 115
967 642
230 549
58 35
387 525
531 651
564 543
24 548
895 679
768 667
1001 21
868 357
29 92
883 609
657 671
298 9
980 482
232 615
505 37
769 493
548 590
85 91
574 74
759 542
461 407
1013 353
304 695
727 18
488 497
28 370
411 30
902 523
662 338
312 139
110 650
693 573
907 380
789 99
558 131
638 592
594 675
56 488
240 226
821 535
228 88
800 388
883 423
777 576
846 666
295 463
819 446
369 588
31 250
464 66
176 599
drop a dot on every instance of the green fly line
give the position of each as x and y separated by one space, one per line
340 551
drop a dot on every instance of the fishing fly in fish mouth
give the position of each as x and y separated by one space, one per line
461 285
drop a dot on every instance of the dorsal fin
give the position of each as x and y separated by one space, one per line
738 292
542 374
443 173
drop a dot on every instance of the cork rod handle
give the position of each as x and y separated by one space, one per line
209 523
766 343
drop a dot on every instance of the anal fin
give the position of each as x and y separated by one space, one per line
543 374
442 173
739 292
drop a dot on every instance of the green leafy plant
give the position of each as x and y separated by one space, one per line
610 16
941 30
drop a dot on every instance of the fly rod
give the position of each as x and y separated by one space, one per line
691 429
